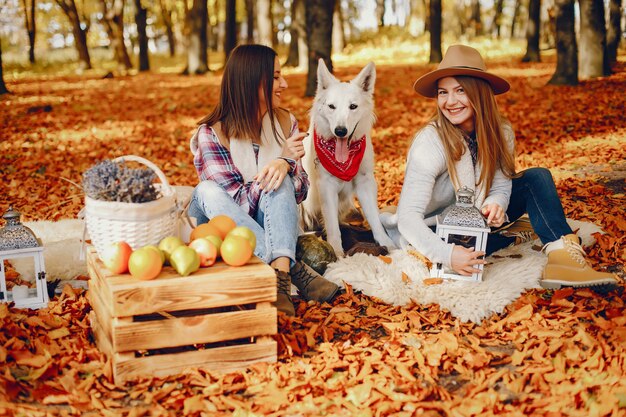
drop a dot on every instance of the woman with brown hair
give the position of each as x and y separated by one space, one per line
470 144
247 155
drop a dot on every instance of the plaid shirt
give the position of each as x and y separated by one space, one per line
213 162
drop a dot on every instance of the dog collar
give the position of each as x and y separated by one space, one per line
326 149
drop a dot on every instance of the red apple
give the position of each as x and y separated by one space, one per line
145 264
115 257
206 250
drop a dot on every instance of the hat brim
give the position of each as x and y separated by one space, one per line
426 85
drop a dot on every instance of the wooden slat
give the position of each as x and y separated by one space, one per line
97 274
218 286
217 359
185 331
99 308
102 341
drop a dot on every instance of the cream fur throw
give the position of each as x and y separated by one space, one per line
505 278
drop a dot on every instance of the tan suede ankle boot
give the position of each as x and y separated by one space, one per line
312 285
568 267
283 298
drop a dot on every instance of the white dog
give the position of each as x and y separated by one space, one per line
339 156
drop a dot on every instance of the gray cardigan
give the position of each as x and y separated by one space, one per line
428 190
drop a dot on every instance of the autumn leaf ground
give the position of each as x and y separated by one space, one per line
552 353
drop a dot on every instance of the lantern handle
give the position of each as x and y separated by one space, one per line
150 165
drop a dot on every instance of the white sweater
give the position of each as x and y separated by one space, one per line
428 190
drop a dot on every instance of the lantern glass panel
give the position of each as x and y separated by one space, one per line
33 292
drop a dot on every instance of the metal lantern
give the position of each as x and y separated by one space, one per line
462 224
18 241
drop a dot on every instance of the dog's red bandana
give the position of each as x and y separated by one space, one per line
340 158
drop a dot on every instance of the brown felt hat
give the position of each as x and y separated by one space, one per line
459 60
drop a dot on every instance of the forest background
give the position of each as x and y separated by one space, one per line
92 79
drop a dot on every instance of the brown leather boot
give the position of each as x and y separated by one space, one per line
568 267
312 285
283 298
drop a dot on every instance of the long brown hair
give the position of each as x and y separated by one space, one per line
488 124
248 68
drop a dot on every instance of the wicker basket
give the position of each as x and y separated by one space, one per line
138 224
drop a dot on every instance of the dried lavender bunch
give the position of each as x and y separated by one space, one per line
112 181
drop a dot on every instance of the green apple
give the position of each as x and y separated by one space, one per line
246 233
168 244
185 260
216 241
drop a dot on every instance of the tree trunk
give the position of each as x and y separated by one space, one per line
566 72
339 37
417 18
319 30
141 17
614 33
166 15
31 28
518 4
80 34
197 21
3 87
249 21
297 32
303 44
497 18
435 32
593 60
113 22
264 22
476 21
380 12
230 35
532 32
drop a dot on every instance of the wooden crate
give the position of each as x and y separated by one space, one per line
218 318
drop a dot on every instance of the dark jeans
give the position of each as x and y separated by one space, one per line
534 193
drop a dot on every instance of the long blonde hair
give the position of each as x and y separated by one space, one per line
488 124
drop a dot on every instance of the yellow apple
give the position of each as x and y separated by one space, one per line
145 264
159 251
246 233
236 250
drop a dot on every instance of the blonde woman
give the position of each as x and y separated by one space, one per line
469 143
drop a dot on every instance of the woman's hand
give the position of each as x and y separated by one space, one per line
464 260
494 214
293 148
272 175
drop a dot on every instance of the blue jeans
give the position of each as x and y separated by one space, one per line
534 193
275 223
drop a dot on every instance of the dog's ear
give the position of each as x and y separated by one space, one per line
366 78
324 78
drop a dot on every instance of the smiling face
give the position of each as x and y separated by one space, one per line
278 86
455 104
